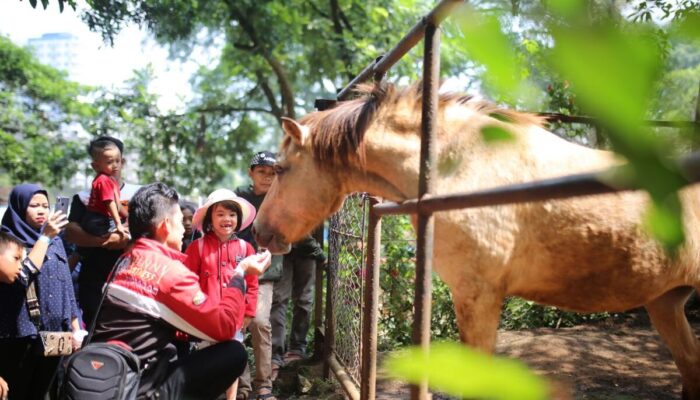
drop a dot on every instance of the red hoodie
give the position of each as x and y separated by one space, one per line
216 266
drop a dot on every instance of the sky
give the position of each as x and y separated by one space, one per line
101 64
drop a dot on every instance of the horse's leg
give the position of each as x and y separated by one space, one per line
667 315
478 309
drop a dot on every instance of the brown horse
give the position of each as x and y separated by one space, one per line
585 254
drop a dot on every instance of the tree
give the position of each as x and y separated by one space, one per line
189 151
38 113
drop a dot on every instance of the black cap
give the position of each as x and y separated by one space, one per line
263 158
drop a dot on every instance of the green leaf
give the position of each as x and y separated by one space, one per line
479 375
665 222
612 71
485 42
689 27
567 8
493 134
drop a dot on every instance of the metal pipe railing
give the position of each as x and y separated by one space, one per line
427 183
546 189
378 68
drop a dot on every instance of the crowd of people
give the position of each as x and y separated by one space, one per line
177 285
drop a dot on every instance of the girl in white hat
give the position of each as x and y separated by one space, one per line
216 256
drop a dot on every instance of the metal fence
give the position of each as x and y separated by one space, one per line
347 234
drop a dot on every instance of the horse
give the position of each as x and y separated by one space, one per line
585 254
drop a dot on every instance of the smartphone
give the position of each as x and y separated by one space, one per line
62 204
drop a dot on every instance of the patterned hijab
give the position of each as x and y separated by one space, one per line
14 220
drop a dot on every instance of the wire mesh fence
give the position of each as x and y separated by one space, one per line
347 237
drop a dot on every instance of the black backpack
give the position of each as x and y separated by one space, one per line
100 371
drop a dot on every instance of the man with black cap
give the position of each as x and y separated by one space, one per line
261 174
98 253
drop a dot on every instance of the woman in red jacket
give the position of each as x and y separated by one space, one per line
216 255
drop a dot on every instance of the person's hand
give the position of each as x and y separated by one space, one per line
78 336
247 321
4 389
256 264
114 241
53 226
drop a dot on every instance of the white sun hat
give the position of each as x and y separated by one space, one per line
247 209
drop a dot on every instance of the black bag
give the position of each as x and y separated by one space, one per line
101 371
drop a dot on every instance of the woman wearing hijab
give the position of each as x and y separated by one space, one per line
27 372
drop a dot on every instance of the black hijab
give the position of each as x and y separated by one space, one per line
14 220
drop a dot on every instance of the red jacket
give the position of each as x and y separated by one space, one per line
152 295
216 265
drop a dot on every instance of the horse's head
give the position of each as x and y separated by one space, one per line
302 195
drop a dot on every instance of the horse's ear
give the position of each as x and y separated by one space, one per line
294 129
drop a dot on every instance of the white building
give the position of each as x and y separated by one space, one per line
59 50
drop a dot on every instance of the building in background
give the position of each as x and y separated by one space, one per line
59 50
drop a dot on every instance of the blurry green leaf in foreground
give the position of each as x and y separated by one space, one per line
613 70
495 134
662 220
485 42
455 369
567 8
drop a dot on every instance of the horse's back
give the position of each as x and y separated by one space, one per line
586 254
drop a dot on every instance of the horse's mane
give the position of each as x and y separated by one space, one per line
338 132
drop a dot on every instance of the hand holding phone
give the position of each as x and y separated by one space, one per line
62 204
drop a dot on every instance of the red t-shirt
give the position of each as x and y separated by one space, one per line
103 188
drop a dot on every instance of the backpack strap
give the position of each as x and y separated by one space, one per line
33 305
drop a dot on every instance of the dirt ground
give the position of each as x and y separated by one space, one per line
619 359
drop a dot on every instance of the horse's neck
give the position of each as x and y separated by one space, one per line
465 162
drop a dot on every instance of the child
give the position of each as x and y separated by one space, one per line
104 210
261 173
190 234
215 256
10 258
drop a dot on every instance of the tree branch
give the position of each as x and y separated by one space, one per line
285 85
318 10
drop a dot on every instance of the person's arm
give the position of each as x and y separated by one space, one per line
196 314
252 284
111 241
114 214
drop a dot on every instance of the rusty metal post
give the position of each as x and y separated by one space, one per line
368 381
329 325
318 299
426 185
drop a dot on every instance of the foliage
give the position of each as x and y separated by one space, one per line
38 106
525 314
61 4
190 151
277 56
396 282
480 375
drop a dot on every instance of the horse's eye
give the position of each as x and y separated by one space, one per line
279 169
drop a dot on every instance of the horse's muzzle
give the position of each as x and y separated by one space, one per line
265 237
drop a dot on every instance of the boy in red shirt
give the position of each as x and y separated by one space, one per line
104 211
